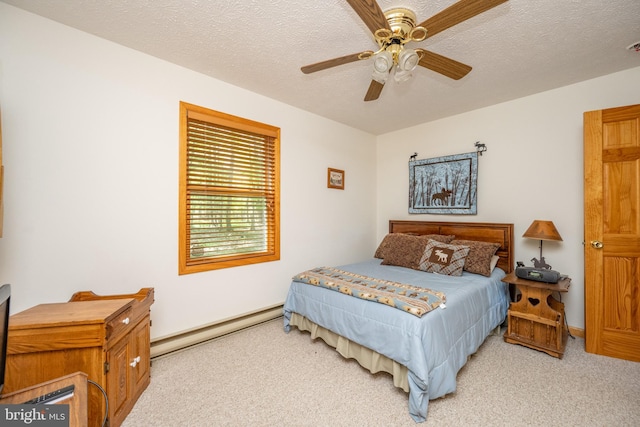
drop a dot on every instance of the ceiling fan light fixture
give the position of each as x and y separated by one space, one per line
382 61
408 60
380 77
402 76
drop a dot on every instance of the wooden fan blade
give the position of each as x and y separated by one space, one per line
307 69
443 65
370 13
373 93
457 13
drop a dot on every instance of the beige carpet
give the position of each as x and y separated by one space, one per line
262 376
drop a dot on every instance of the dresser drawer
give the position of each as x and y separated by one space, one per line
121 324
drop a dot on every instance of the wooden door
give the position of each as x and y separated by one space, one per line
612 232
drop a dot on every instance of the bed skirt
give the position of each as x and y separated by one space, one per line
367 358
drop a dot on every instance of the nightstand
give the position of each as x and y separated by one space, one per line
536 319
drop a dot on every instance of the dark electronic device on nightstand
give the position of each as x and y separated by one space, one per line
538 274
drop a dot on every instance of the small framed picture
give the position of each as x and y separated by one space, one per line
335 179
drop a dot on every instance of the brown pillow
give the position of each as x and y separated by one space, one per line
393 242
404 251
480 254
442 258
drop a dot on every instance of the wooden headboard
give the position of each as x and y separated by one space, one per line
482 231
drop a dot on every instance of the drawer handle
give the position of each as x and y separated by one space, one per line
125 320
136 360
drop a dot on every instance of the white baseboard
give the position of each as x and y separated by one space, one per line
181 340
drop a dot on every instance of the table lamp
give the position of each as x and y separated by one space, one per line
542 230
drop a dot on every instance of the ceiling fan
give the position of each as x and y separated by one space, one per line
395 28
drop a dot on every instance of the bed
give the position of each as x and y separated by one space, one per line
421 341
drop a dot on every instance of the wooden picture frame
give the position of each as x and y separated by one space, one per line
335 178
444 185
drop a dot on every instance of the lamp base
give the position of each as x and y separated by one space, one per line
540 263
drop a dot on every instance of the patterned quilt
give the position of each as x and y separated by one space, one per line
408 298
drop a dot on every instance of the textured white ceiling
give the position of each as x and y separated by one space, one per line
518 48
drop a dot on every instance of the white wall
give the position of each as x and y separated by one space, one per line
90 147
531 170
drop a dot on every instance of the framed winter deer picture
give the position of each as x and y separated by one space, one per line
444 185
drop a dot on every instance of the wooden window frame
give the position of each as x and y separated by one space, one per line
265 139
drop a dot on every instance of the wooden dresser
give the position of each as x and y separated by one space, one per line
106 337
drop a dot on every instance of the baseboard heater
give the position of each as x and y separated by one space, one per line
181 340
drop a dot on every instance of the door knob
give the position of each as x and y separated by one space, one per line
596 244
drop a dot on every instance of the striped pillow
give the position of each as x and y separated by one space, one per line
480 254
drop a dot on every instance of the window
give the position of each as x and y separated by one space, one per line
229 211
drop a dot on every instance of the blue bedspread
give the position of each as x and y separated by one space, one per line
433 347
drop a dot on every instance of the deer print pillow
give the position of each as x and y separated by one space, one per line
442 258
